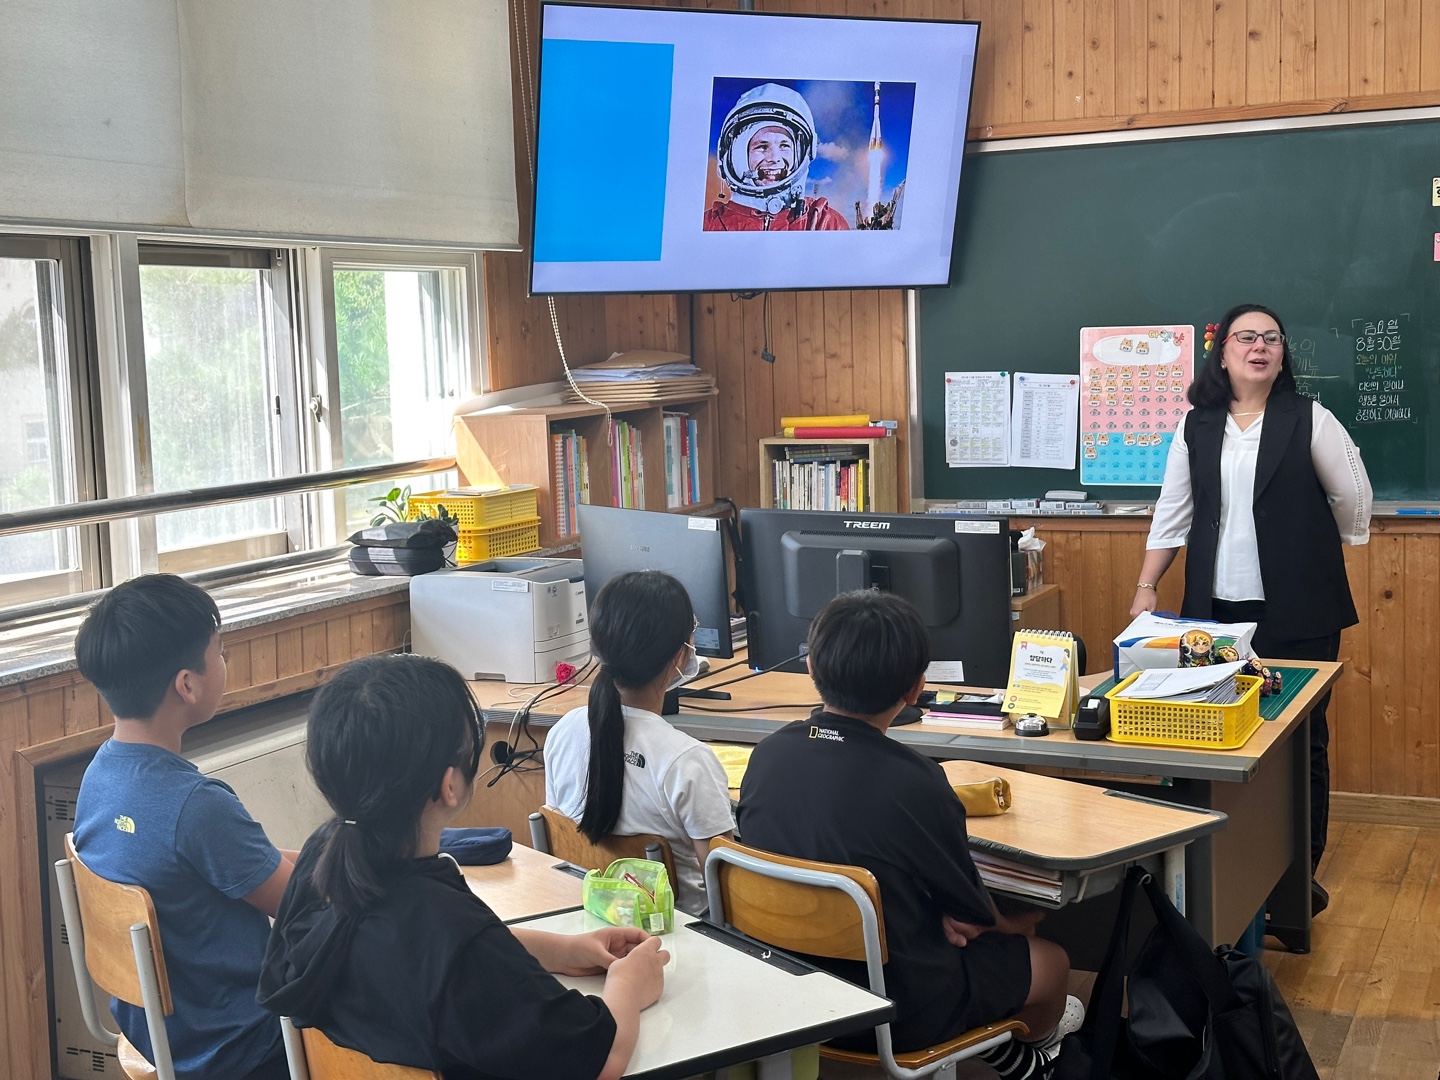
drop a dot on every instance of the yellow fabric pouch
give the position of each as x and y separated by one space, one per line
984 798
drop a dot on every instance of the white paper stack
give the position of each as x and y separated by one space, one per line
1214 684
1017 880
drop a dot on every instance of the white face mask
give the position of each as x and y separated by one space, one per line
688 672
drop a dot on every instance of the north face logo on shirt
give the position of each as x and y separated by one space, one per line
125 824
634 757
826 733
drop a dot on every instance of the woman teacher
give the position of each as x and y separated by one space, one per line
1263 486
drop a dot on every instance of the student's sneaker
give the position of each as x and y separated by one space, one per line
1070 1021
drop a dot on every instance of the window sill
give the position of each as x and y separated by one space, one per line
47 647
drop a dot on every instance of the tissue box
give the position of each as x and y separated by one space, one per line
1027 571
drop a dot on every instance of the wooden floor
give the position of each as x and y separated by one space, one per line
1367 997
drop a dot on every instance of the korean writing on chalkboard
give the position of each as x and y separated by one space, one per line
1380 395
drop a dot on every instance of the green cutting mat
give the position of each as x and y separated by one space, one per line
1293 680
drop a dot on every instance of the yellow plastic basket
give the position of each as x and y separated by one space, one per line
483 509
477 545
1186 723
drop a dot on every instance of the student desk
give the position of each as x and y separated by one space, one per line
1261 858
723 1006
525 885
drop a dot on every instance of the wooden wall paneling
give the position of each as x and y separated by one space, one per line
1402 46
895 387
1070 52
865 333
839 372
263 668
919 9
16 1036
1367 46
1100 58
1197 56
1004 20
784 343
289 652
1263 49
1132 51
84 711
1037 59
1297 50
237 661
1421 581
1231 48
1429 45
1332 49
810 351
735 448
337 638
1163 55
982 100
314 647
1349 716
759 377
1386 604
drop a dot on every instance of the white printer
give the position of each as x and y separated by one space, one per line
506 619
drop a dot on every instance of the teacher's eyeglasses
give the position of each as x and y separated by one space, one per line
1249 337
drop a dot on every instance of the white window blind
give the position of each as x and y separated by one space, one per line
374 120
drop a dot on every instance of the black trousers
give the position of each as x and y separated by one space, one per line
1268 645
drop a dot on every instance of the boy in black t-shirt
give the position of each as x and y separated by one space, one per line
835 788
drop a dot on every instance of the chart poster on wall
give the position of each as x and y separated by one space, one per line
1132 399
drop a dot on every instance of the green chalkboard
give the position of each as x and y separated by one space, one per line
1332 227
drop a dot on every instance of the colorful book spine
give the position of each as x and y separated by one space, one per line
692 462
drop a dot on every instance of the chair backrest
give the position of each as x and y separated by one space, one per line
320 1059
566 841
108 910
799 916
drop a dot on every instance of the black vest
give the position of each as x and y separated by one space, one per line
1302 566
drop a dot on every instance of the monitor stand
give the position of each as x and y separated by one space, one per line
672 698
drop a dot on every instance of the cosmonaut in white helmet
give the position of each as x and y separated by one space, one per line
763 155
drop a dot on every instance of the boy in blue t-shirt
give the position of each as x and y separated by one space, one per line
146 816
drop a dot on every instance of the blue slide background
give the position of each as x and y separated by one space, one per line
604 132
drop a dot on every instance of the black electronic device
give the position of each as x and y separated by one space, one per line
910 714
1092 718
1031 726
691 549
956 571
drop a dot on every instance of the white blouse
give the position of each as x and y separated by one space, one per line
1237 559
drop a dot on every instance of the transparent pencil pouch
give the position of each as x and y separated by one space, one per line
632 892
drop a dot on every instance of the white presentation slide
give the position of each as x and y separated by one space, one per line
704 151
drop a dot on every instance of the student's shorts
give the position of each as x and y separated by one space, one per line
990 985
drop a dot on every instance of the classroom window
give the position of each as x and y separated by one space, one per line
401 367
213 389
39 465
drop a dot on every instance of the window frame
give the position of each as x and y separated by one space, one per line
463 315
74 307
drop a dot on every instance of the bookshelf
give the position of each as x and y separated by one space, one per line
882 482
513 446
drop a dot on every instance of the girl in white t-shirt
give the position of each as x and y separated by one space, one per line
616 766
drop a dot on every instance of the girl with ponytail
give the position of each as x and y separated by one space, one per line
379 941
616 766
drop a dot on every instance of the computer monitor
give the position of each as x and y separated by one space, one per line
690 548
956 571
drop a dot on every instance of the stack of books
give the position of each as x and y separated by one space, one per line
682 465
627 467
572 480
847 426
982 712
821 478
640 377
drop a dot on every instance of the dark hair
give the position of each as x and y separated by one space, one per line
866 651
1212 385
638 622
381 734
140 635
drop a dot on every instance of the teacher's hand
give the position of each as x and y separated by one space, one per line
1145 600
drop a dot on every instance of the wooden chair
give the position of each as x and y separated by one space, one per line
829 910
555 834
312 1056
115 945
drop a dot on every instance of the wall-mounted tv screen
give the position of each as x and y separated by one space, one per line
707 151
